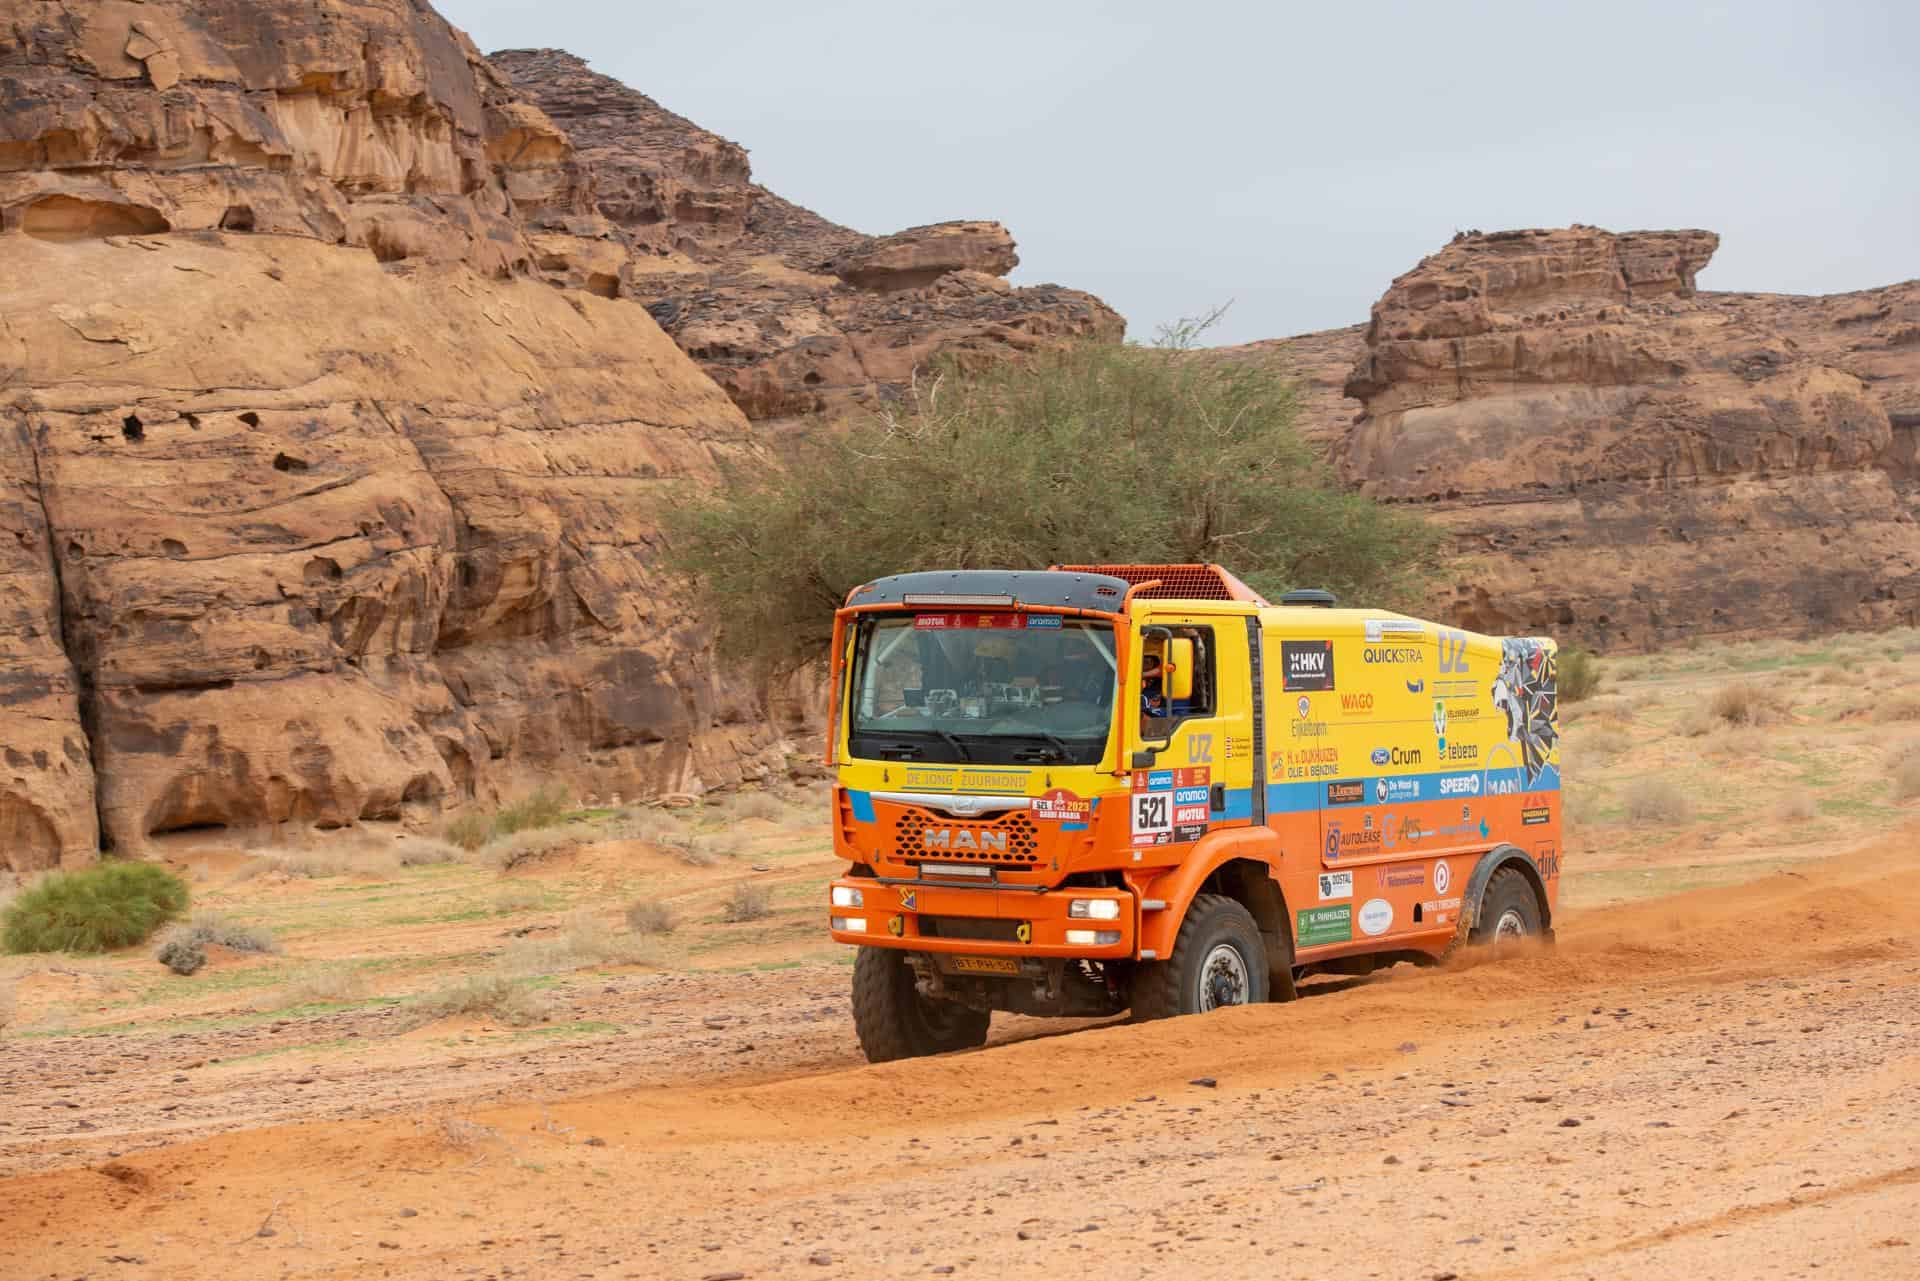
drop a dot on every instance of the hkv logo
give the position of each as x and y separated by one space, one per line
1453 651
1199 749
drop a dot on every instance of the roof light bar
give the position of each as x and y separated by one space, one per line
941 598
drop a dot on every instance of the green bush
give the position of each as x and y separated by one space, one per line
1091 453
543 807
1579 675
469 831
95 909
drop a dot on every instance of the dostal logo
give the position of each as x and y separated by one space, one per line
982 840
1335 885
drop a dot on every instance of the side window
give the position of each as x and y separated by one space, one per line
1177 680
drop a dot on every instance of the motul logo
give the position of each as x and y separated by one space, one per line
962 838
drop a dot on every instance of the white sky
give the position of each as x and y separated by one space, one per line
1294 158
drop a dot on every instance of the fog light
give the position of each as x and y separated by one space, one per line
1093 938
848 924
847 896
1094 909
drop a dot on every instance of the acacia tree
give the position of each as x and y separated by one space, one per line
1093 452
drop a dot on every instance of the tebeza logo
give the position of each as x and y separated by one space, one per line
1307 665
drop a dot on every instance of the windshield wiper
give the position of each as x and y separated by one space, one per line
953 741
902 750
1056 746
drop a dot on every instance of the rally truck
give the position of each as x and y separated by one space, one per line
1094 788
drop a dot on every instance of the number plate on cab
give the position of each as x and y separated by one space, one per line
985 964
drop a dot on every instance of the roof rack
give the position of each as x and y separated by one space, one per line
1176 582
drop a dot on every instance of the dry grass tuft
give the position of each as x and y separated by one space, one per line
497 995
468 831
525 847
650 917
516 898
755 805
1796 805
1657 800
748 902
205 928
1899 709
706 851
458 1132
328 987
1747 703
582 942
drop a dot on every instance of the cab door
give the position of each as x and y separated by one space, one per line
1204 776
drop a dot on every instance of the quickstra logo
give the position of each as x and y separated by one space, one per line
1392 654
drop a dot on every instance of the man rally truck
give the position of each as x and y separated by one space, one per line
1100 787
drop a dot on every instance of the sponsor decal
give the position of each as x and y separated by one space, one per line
1314 926
1308 729
1186 814
1381 628
1397 756
1436 907
1306 665
1390 790
1042 621
1548 861
1199 749
1190 796
1442 877
1333 840
1534 816
1352 704
1502 786
1410 831
1003 622
1335 885
1418 685
1376 916
1440 722
1458 751
1469 712
909 900
1061 806
1526 690
1460 785
1374 654
1366 840
1456 691
1238 747
1452 651
1305 763
1380 756
1154 819
1304 706
1005 782
1348 793
1399 877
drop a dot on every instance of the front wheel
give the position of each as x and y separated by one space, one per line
1509 910
892 1019
1218 959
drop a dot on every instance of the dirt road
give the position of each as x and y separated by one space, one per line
1719 1084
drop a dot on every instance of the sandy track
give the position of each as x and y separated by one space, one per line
1742 1068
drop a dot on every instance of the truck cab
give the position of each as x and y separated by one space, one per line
1089 789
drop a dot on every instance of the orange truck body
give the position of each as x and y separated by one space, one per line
1353 777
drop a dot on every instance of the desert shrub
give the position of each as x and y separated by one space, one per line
1897 709
424 851
1747 703
516 898
468 831
542 807
581 941
1579 675
211 927
181 955
706 851
1018 465
93 909
326 988
761 805
748 902
654 826
509 852
1603 744
650 917
1796 805
1656 800
504 998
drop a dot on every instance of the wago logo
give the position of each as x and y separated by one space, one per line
1356 702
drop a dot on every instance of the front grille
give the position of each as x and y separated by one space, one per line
969 927
1007 841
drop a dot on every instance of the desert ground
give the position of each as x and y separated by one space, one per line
497 1064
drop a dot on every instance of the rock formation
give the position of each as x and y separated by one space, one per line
791 314
1624 461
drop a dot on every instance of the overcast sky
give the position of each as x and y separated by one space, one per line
1293 159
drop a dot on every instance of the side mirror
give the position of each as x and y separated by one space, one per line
1143 759
1179 679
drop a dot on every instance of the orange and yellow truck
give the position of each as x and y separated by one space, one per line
1094 788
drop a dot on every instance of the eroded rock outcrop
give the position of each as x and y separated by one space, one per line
319 502
1625 461
792 314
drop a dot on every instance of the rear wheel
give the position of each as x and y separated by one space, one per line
1509 911
894 1021
1218 959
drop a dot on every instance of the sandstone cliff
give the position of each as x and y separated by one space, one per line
320 504
791 314
1624 461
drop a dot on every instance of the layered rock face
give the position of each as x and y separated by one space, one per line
1626 462
793 315
319 503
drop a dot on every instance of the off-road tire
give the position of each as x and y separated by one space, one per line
892 1019
1165 989
1508 895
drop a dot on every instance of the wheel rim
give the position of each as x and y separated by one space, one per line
1223 978
1511 926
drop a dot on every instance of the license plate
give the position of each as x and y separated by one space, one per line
986 965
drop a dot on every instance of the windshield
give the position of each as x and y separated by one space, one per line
998 688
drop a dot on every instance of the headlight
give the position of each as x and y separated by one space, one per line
1093 938
847 896
1094 909
848 924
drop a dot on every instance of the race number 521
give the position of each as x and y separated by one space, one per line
1152 813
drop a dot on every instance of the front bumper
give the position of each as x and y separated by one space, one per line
895 913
